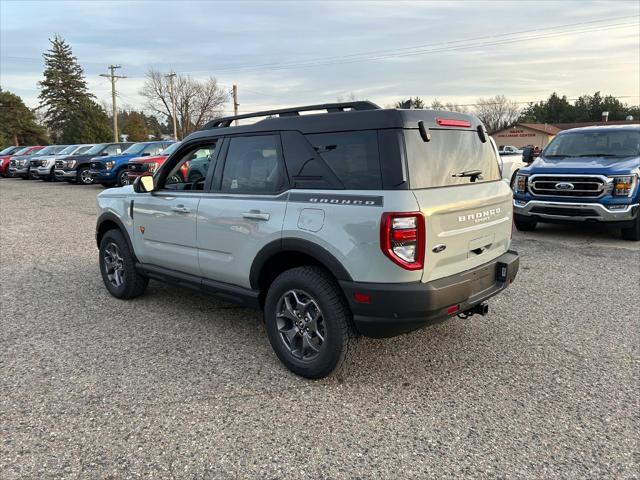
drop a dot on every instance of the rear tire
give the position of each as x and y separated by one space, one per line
524 225
313 337
632 233
118 267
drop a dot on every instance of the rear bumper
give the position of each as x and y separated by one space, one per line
399 308
553 212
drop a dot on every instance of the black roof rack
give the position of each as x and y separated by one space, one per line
293 112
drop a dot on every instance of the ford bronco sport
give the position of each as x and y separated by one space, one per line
357 220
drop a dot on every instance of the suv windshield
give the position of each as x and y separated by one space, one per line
614 143
451 157
51 149
135 148
83 149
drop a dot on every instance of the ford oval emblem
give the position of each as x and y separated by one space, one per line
438 248
564 186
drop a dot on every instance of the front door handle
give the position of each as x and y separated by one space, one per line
181 209
256 215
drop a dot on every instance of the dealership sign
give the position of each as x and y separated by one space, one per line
515 132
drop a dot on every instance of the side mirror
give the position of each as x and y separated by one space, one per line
104 154
146 154
143 184
527 154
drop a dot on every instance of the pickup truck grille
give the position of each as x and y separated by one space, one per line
60 163
35 163
568 186
12 163
137 167
565 211
96 165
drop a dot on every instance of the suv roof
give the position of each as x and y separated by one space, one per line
600 128
336 117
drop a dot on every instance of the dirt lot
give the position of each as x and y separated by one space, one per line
179 385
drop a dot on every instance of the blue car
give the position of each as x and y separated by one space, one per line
586 174
112 170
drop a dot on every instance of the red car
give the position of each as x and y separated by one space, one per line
7 153
140 166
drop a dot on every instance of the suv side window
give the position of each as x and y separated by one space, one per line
253 165
353 156
191 171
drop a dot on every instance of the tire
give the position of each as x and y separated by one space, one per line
524 225
305 354
122 279
632 233
122 178
83 177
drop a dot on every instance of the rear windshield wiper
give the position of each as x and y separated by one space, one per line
473 174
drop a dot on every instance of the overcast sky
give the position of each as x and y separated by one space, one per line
455 51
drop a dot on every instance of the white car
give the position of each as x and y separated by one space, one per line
509 150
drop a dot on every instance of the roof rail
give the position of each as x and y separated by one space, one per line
293 112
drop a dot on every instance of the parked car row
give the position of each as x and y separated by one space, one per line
109 164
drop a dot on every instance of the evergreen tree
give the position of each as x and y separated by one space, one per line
415 103
87 123
135 127
18 124
64 89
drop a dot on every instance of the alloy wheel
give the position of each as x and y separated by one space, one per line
300 324
113 264
124 178
85 177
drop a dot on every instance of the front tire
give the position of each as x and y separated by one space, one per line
308 322
83 177
632 233
122 178
118 267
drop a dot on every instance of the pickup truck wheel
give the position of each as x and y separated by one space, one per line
524 225
632 233
122 178
83 177
118 267
309 322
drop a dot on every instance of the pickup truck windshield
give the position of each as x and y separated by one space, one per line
451 157
135 148
615 143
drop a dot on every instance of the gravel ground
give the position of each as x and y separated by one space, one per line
180 385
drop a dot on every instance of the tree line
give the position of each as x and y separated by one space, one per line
500 112
69 114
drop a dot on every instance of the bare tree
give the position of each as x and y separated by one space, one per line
497 112
196 102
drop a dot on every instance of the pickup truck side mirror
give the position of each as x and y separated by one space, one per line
144 184
104 154
146 154
527 155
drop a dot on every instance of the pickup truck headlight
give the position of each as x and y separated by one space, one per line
108 165
521 183
71 163
623 185
152 166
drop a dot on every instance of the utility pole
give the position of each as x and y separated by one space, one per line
171 76
113 78
234 92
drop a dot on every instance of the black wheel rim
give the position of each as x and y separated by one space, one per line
113 265
124 178
300 324
85 177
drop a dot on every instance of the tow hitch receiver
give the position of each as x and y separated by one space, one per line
480 309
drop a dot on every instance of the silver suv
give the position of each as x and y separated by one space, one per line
349 220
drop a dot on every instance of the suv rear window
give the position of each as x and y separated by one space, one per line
353 157
449 153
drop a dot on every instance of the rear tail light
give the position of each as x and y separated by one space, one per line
402 239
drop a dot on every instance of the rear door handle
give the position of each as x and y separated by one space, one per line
181 209
256 215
